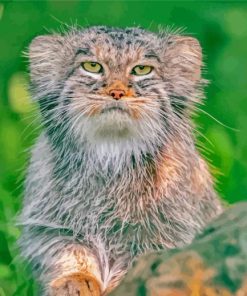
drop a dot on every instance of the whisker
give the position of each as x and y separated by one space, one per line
216 120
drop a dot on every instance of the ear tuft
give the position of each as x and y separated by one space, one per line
184 54
44 56
44 43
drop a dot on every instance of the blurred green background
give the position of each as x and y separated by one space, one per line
221 28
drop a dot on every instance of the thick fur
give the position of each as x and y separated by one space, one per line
114 183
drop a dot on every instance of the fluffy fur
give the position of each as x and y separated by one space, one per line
114 178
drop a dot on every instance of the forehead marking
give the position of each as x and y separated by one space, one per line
152 56
84 51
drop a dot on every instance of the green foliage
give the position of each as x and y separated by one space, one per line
221 28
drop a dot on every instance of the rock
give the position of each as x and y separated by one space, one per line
214 264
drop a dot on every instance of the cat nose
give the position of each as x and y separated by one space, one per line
117 94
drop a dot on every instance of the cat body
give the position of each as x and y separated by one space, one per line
115 172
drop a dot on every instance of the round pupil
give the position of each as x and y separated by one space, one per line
141 67
93 64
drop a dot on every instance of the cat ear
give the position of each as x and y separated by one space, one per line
44 55
183 55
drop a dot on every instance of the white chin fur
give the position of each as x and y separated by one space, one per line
113 125
116 135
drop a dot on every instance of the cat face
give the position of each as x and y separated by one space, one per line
115 85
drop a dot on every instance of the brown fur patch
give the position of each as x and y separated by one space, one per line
167 171
94 110
83 283
172 163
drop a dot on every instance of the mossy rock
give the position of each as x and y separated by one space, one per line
214 264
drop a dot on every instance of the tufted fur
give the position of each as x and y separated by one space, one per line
113 184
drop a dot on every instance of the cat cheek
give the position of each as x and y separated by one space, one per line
93 111
136 78
135 114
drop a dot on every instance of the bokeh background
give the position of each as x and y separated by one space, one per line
221 28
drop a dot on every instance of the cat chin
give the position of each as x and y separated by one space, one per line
118 131
113 125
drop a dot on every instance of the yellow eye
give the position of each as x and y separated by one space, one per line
92 67
141 70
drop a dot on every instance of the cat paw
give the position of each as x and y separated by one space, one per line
75 285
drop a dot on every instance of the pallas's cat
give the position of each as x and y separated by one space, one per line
115 172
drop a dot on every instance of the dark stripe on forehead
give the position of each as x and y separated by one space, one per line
152 55
84 51
80 51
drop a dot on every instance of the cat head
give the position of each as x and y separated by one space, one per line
112 85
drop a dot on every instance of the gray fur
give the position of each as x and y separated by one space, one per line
92 180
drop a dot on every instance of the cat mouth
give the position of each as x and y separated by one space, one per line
115 108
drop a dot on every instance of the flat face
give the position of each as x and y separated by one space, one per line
114 85
116 79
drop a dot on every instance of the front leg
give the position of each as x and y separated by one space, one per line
75 273
75 284
67 268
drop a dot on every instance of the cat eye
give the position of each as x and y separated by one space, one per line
92 67
141 70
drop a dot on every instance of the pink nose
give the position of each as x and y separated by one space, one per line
117 93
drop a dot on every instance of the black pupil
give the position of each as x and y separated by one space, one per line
93 64
141 67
